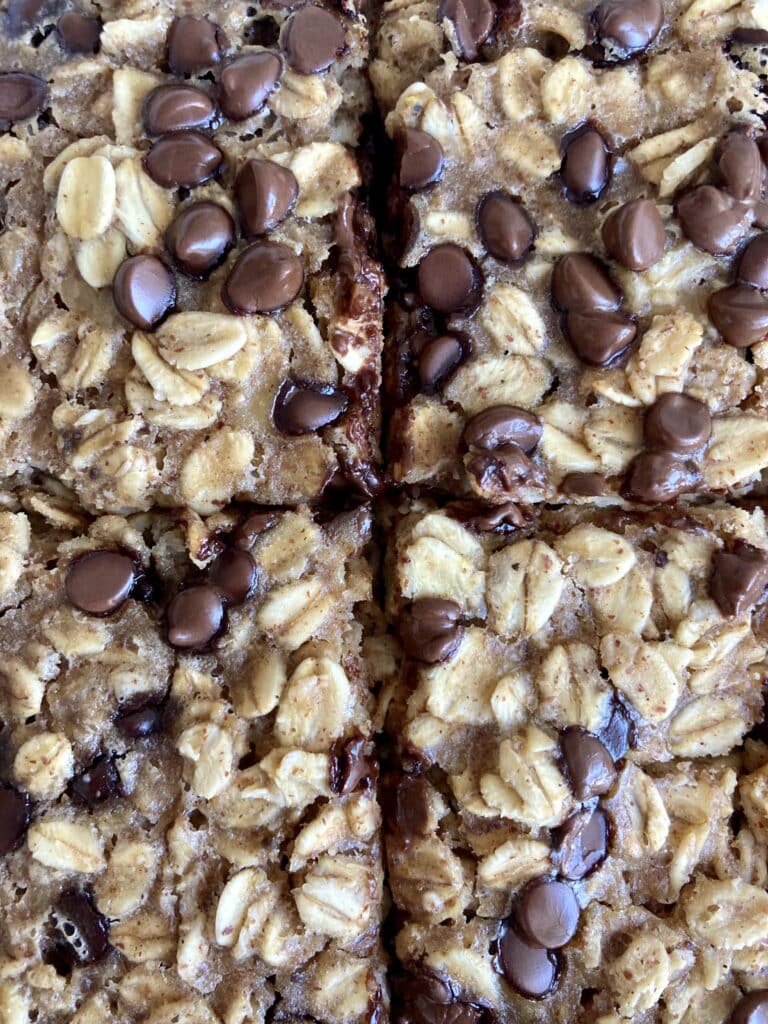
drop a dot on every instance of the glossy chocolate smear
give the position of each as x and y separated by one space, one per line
199 237
438 358
753 264
582 844
15 814
252 527
194 617
234 575
22 95
739 578
176 107
183 159
266 276
585 166
351 764
77 33
97 783
528 967
502 425
589 766
246 84
740 313
82 929
740 167
500 474
634 234
472 22
548 913
627 27
420 159
580 284
424 996
193 44
143 291
265 193
138 723
751 1008
449 280
411 806
657 477
713 220
313 40
678 423
584 485
599 338
430 629
98 582
504 227
306 407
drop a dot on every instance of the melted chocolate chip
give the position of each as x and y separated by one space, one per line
199 237
438 358
98 582
411 806
713 220
193 44
430 629
22 15
303 408
234 574
634 235
265 193
501 518
753 264
502 425
265 277
588 764
183 159
195 616
350 764
77 33
580 284
247 82
449 281
585 166
141 722
176 107
504 227
582 843
15 814
548 913
472 22
420 159
678 423
252 528
423 996
500 474
599 338
22 95
313 40
740 313
528 967
97 783
627 27
739 578
143 291
656 477
584 485
751 1008
740 167
83 930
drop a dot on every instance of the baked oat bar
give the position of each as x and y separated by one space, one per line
189 826
580 310
574 832
192 312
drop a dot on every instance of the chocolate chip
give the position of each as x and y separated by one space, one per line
234 575
193 44
430 629
23 15
350 764
713 220
589 766
677 423
502 425
313 40
753 264
22 95
449 280
580 284
97 783
634 234
411 806
655 477
739 578
143 291
627 27
247 82
141 722
740 313
751 1008
618 736
529 968
504 227
199 237
303 408
176 107
750 36
15 814
582 843
438 358
265 193
424 996
183 159
584 485
420 159
194 617
472 22
98 582
252 528
740 167
82 928
585 166
500 474
265 277
77 33
548 913
502 518
598 339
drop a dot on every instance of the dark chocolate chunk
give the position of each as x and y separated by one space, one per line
589 766
98 582
582 843
548 913
15 815
430 629
194 617
305 407
678 423
234 574
739 578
